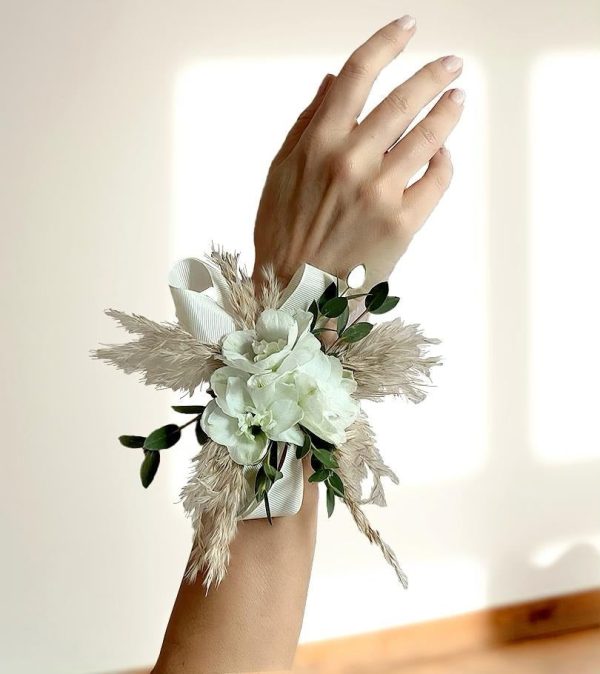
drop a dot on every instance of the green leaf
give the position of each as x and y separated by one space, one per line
149 467
268 509
388 305
189 409
325 457
377 296
334 307
320 475
356 332
301 452
335 482
262 484
163 437
200 434
314 310
342 320
330 502
132 441
319 442
329 293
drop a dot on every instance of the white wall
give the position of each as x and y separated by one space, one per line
109 175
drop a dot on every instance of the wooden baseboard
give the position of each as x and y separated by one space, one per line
386 650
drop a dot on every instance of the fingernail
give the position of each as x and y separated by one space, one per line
458 96
445 151
452 63
407 22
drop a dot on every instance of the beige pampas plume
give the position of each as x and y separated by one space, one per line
357 457
165 355
212 498
391 361
241 288
270 293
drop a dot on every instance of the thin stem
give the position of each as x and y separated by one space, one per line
283 454
190 422
366 311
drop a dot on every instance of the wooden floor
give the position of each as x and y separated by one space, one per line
576 653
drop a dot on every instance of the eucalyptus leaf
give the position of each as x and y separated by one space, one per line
314 310
315 463
356 332
326 458
377 296
268 509
335 482
132 441
262 484
301 452
319 442
163 438
200 434
389 304
149 467
320 475
329 293
342 320
330 502
334 307
188 409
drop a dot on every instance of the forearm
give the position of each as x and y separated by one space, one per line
252 620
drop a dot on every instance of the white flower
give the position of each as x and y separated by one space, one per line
281 341
248 411
325 396
277 379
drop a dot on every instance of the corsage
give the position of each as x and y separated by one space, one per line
284 371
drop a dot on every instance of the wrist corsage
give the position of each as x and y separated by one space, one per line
285 371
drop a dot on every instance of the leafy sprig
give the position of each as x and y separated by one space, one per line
163 438
335 305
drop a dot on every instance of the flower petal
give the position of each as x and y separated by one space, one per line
237 351
286 414
248 451
219 426
274 324
294 435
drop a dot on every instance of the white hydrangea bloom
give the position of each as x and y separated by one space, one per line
277 379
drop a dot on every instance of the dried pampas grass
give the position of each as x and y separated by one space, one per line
391 361
241 288
165 355
212 499
356 458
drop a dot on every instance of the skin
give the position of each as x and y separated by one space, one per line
335 196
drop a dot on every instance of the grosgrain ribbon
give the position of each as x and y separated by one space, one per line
200 295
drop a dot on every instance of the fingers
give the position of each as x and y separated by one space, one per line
419 145
389 120
303 120
423 195
349 93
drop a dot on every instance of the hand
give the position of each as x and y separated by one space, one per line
336 192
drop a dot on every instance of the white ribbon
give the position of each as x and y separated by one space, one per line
200 295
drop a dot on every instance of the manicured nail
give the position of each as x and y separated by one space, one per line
452 63
458 96
407 22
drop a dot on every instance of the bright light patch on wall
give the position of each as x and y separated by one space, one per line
564 245
230 118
